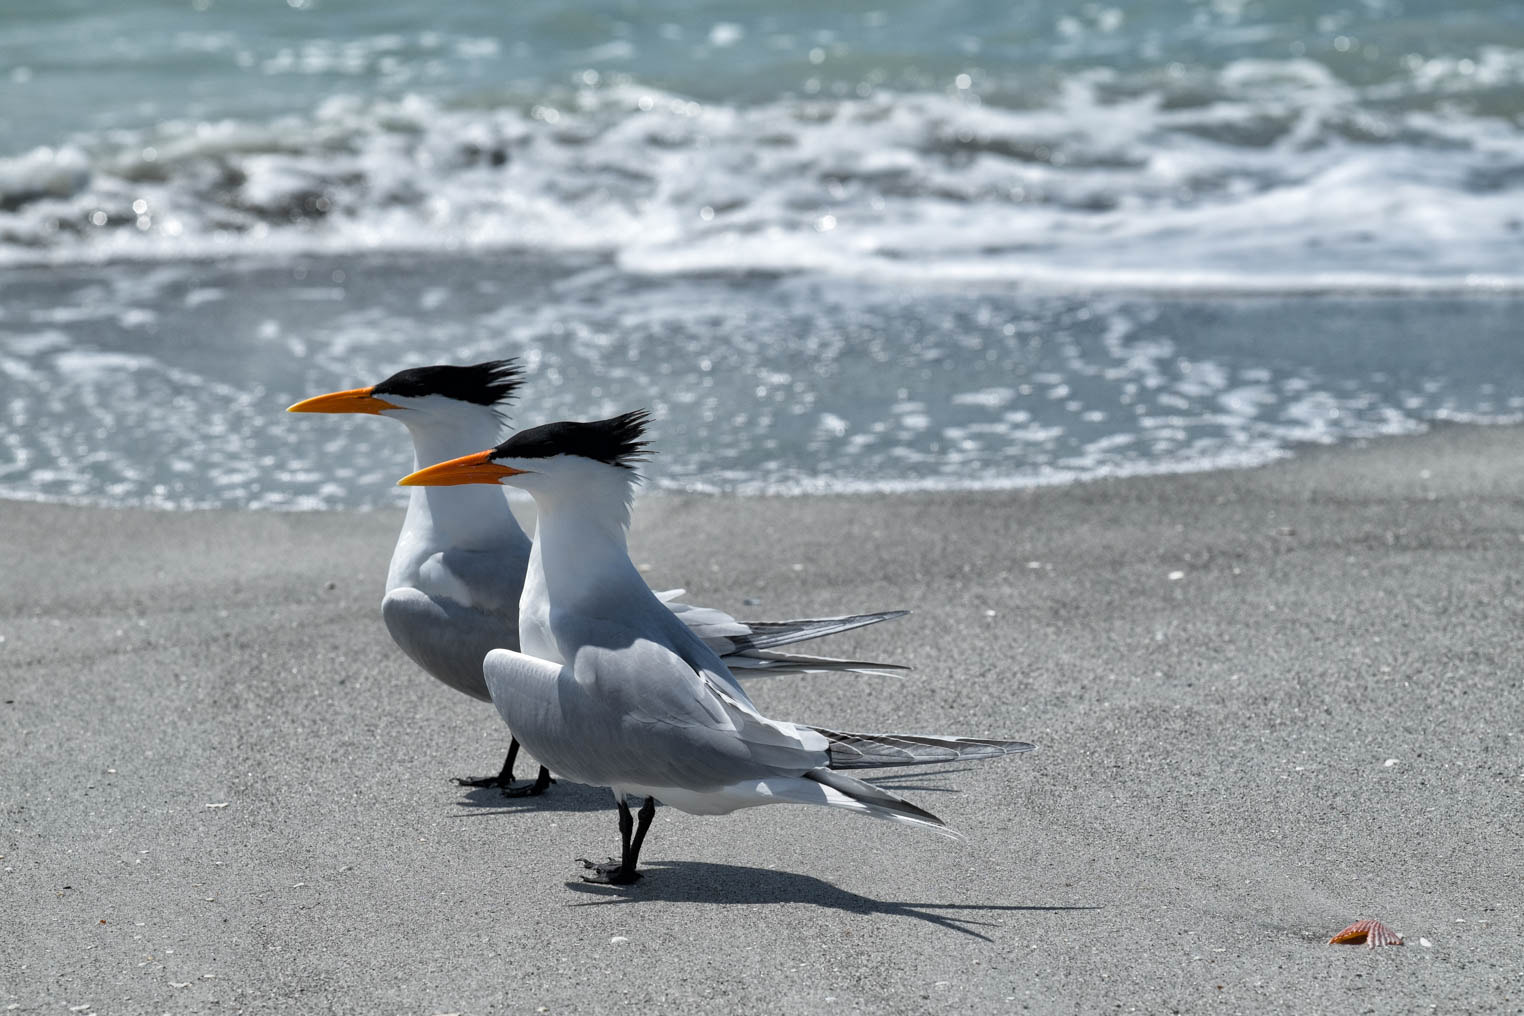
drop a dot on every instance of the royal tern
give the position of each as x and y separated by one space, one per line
610 689
456 575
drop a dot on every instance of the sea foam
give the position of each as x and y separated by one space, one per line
1277 177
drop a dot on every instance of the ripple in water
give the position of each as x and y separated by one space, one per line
167 387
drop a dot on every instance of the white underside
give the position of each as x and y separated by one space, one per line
749 794
779 790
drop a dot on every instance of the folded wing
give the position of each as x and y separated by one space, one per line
751 646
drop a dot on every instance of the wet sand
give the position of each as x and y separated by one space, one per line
1267 703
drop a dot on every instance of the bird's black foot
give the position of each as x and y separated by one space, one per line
504 779
622 871
541 784
611 872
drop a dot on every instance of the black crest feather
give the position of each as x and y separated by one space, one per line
617 441
490 383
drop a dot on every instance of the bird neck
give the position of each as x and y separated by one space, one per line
466 517
441 439
580 545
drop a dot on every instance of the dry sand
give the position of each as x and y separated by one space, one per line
1267 703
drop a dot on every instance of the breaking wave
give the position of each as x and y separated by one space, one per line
1259 176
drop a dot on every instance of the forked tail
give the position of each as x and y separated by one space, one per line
764 662
855 795
772 634
749 648
881 751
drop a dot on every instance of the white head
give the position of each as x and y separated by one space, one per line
439 398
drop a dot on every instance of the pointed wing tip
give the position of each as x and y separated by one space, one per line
765 662
854 667
773 634
1003 748
883 669
877 617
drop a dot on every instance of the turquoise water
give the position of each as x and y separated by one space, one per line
1283 222
1247 145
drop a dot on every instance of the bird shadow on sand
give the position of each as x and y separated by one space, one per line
562 796
707 882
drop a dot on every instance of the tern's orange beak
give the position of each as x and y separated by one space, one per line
356 400
476 468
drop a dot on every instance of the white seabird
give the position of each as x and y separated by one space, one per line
611 689
457 572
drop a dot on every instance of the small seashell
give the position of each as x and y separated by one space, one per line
1370 933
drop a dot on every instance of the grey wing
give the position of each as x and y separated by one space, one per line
879 751
764 663
524 690
749 647
446 638
712 625
491 580
655 719
772 634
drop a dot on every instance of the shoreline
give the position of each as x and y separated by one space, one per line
989 387
1224 463
216 750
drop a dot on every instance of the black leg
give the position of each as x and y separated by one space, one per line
504 779
541 784
622 871
626 823
647 812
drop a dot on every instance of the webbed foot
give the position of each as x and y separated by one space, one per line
611 872
504 779
541 784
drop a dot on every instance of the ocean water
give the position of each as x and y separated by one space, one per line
918 246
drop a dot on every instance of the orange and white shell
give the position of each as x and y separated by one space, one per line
1371 933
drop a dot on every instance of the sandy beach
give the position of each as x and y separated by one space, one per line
1266 703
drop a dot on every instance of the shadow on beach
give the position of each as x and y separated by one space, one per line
562 796
707 882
